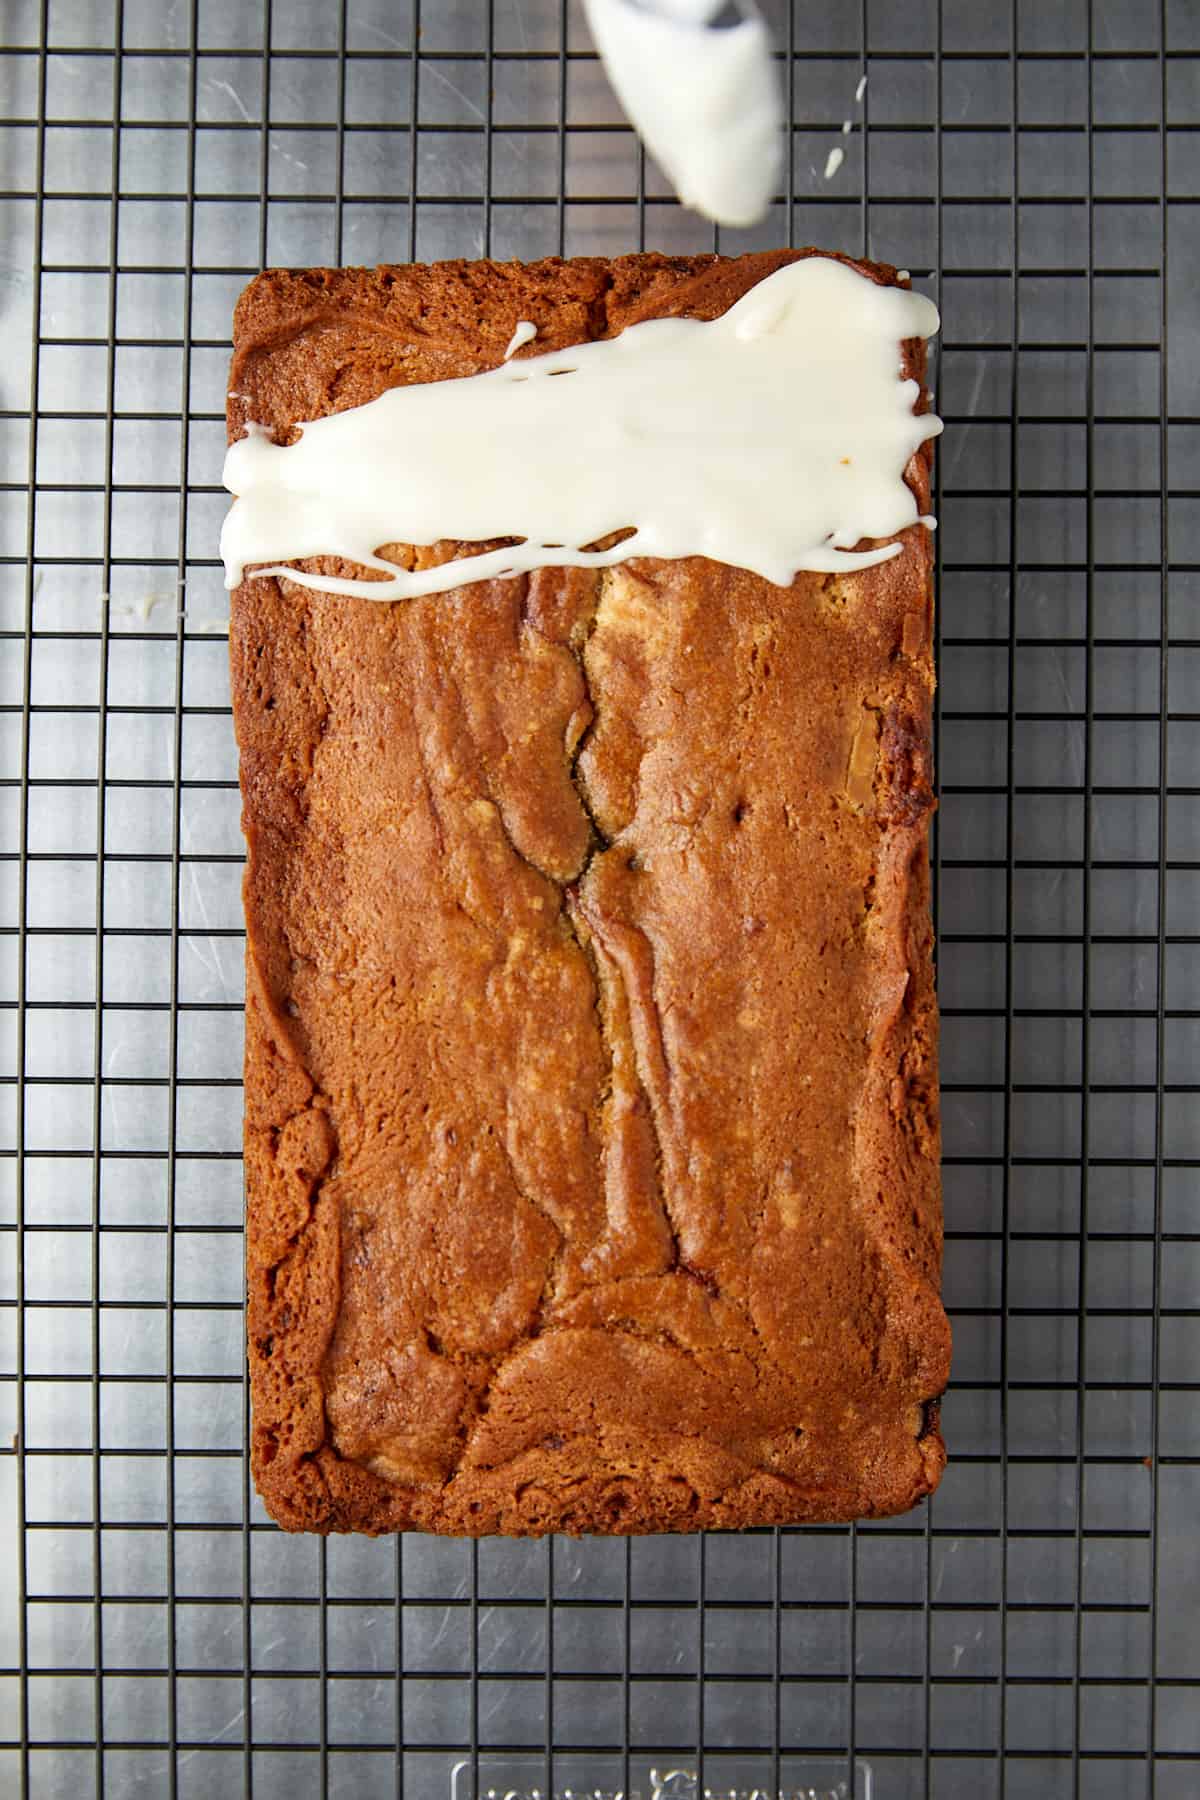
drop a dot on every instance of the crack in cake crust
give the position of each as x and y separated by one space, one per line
591 1098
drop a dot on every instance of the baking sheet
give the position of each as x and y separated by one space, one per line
1034 1631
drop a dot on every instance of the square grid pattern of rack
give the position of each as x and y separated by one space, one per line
1035 1630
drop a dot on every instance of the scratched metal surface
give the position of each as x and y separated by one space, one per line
1033 1631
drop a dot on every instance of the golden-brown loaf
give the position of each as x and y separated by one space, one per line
591 1110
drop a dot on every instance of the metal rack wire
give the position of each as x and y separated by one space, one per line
1035 1630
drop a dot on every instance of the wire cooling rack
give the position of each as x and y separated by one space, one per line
1033 1632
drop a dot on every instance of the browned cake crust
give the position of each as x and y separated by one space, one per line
591 1112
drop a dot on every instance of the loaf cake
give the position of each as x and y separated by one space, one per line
591 1121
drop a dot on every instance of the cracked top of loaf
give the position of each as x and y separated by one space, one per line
591 1113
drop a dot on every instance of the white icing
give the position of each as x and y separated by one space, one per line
704 98
524 334
836 157
772 438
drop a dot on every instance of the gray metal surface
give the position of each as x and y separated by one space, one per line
1035 1630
